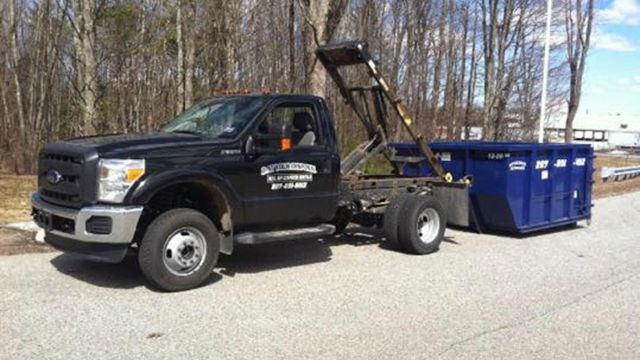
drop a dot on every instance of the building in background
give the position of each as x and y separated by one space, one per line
602 131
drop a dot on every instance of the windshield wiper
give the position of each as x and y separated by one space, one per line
190 132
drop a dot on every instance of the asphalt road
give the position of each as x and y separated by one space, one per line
573 294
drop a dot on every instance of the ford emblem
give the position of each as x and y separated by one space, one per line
53 177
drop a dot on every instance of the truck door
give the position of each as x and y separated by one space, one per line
296 185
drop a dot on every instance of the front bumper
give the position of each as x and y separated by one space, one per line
67 229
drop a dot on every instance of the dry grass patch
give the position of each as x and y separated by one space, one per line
15 197
616 161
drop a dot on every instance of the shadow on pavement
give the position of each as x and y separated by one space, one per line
245 259
124 275
272 256
568 228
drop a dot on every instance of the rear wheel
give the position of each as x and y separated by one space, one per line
341 220
392 216
179 250
422 224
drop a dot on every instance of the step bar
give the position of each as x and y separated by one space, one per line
253 238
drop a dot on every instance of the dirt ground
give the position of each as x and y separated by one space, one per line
14 242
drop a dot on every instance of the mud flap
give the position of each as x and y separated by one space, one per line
456 201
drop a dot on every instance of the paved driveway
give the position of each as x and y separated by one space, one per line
572 294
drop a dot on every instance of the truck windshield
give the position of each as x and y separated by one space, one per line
216 118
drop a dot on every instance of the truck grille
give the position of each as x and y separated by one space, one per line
66 171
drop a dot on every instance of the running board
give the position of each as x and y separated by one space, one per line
252 238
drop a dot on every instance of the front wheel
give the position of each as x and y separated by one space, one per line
179 250
422 224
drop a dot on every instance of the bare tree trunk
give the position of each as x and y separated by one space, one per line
292 45
399 32
437 68
578 26
464 11
451 63
13 33
87 69
180 61
323 18
316 12
190 55
4 126
489 28
472 82
502 40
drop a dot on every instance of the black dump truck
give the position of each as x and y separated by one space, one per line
246 169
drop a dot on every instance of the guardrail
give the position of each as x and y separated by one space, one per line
619 173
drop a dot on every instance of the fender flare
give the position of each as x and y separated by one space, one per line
229 207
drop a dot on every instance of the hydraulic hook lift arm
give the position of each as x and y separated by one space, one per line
334 56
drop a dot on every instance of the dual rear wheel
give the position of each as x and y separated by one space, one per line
415 223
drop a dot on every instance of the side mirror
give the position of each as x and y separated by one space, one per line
249 147
259 144
275 140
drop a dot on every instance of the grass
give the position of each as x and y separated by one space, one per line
15 191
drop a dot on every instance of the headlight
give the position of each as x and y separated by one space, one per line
116 176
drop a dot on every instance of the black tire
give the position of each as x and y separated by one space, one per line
341 220
151 256
391 217
415 210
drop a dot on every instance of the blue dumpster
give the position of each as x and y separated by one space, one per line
516 187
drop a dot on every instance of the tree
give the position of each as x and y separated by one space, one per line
322 18
578 24
84 39
503 23
13 33
186 53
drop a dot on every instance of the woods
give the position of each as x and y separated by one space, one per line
81 67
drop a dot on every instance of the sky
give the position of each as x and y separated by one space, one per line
612 77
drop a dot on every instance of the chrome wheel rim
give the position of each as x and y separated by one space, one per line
428 225
184 251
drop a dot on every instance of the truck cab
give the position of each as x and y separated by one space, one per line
251 162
